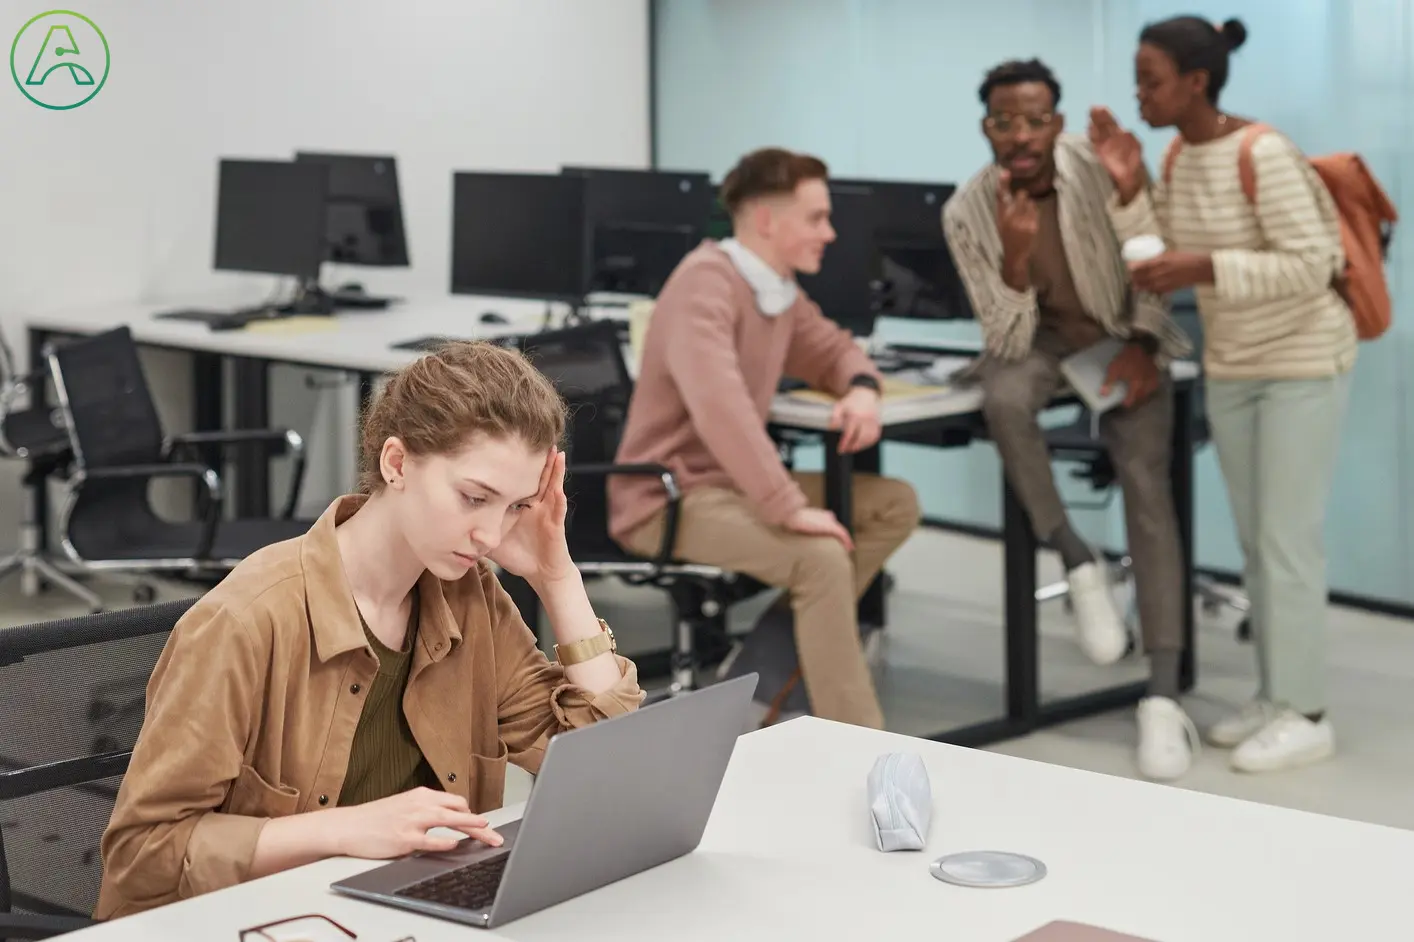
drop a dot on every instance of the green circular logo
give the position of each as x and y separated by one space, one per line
59 60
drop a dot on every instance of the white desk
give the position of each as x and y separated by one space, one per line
788 855
356 341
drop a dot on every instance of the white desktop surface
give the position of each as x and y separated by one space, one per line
362 341
788 854
359 341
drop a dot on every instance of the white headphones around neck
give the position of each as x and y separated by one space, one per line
774 294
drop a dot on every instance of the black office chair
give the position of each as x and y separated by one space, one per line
586 364
108 522
72 698
38 438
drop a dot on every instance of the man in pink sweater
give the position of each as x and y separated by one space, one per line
728 324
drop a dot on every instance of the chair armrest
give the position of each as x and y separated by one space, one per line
35 780
28 926
281 441
664 555
19 387
208 476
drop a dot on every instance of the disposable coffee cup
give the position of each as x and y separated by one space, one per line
1142 248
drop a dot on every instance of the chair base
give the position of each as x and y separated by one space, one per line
1212 595
36 570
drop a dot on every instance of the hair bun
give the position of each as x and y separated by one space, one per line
1234 33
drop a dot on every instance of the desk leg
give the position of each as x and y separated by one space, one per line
39 490
1182 477
839 500
839 486
1023 654
208 413
873 605
252 411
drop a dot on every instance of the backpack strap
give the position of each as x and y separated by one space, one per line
1246 172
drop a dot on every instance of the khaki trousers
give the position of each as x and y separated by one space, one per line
718 527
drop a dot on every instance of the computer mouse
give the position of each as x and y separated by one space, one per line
491 317
353 287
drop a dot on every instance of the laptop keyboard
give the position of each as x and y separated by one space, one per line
471 887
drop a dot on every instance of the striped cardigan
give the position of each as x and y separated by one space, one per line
1009 317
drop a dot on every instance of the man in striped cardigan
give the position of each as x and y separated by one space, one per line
1035 248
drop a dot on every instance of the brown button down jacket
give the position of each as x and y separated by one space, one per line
252 708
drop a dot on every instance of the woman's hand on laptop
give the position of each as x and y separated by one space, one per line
399 825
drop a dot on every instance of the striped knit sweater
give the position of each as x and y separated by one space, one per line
1271 312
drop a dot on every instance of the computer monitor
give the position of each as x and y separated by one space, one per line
719 222
364 215
518 235
915 273
639 224
270 217
844 287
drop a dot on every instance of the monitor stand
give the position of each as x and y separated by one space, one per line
310 300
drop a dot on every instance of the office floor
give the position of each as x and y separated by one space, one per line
941 666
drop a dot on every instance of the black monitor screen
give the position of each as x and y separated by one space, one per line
518 235
270 217
917 278
639 224
844 285
364 221
914 274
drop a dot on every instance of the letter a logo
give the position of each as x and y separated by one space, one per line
59 42
59 60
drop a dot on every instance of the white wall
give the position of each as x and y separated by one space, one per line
115 198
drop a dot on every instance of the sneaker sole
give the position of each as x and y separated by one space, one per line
1294 761
1230 742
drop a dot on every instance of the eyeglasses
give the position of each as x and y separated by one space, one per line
1011 123
291 930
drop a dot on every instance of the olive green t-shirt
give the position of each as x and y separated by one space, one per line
385 759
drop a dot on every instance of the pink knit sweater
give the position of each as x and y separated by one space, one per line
711 366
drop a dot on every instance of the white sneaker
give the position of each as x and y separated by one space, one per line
1234 730
1287 742
1167 739
1101 631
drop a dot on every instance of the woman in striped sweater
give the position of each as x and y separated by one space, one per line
1279 348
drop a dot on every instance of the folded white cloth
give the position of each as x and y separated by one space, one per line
900 802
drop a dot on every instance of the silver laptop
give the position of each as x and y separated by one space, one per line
628 794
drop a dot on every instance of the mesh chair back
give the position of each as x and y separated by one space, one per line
586 364
70 689
108 405
112 422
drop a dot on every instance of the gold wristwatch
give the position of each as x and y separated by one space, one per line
586 648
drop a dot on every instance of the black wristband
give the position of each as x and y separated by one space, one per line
865 380
1147 342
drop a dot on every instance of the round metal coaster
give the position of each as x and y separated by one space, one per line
988 868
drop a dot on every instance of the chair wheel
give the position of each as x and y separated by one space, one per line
144 594
1244 629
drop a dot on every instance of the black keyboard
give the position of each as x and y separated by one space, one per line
219 320
430 344
471 887
424 344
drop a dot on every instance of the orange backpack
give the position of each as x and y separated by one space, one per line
1367 219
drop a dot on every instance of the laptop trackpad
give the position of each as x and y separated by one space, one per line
422 865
